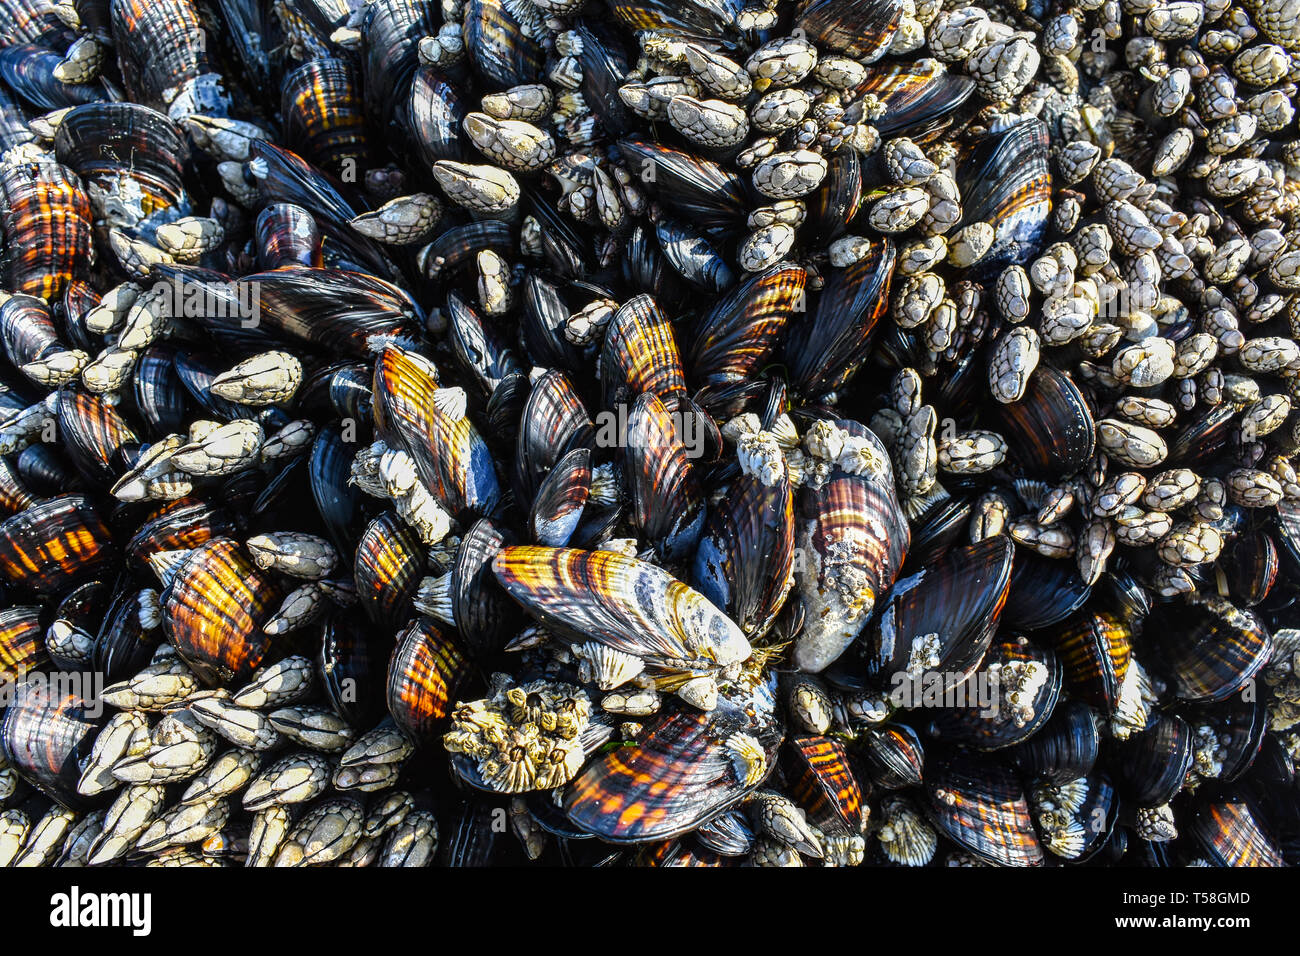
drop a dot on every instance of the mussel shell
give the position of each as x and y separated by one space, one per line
124 645
54 544
177 525
1205 440
1044 591
337 499
1251 566
1229 832
457 247
604 69
860 29
728 834
160 397
45 219
693 257
28 70
938 529
992 726
337 310
838 198
553 423
1238 728
484 616
14 495
979 804
1094 817
711 20
1151 767
432 115
667 499
1065 748
1094 648
389 564
679 773
826 348
506 51
22 642
960 598
822 780
162 44
894 757
1211 652
478 348
351 663
213 612
392 30
1007 182
707 195
47 736
640 355
738 335
423 674
287 235
1051 431
919 96
560 500
452 459
93 432
324 120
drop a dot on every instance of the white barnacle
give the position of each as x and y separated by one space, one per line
924 654
747 758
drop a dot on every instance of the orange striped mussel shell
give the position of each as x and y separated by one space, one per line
54 544
424 672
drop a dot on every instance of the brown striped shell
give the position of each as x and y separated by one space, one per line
981 806
324 120
1094 648
738 335
1051 429
174 526
1211 649
22 641
54 544
1229 833
667 499
47 736
213 612
823 782
423 674
45 219
389 564
93 432
640 355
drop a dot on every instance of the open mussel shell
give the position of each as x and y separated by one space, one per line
980 805
351 663
746 553
1094 648
640 355
213 612
1151 767
451 457
1051 430
667 498
860 29
1228 829
1211 650
685 767
735 339
388 568
1065 748
1044 592
825 349
1006 701
176 526
47 735
894 757
55 544
423 673
22 641
129 636
958 601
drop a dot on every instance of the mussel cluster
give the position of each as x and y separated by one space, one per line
661 432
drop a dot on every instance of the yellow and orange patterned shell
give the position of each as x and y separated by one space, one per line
22 642
163 44
176 526
54 543
45 219
14 497
323 117
823 781
640 355
981 805
423 674
214 609
678 774
1094 648
388 568
92 431
47 735
1230 835
735 339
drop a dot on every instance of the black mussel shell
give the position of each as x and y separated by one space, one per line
45 212
389 565
938 529
920 97
159 394
478 348
287 235
860 29
560 500
1075 818
457 247
1051 430
542 322
485 617
47 736
92 431
1044 591
839 197
214 609
14 495
505 41
707 195
1151 767
826 348
1230 832
711 20
324 120
351 663
1211 650
959 599
1064 749
979 804
330 472
130 635
1025 683
667 499
894 757
683 769
553 423
693 257
1234 730
432 115
728 834
423 674
55 544
1007 182
1251 567
391 32
28 70
1205 440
